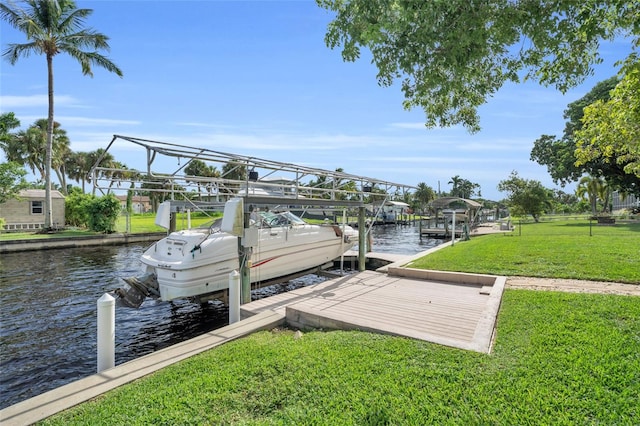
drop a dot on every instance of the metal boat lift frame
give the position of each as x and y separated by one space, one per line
291 186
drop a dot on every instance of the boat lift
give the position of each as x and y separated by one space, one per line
257 181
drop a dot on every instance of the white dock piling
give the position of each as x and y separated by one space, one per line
453 229
106 332
234 297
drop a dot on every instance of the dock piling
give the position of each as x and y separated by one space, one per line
106 332
234 297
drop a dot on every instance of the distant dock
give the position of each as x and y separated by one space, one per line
439 233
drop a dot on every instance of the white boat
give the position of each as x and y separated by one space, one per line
197 262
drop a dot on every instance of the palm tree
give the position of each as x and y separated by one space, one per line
107 162
53 27
423 195
233 170
212 172
455 181
59 164
196 168
78 165
28 147
37 135
8 121
120 172
593 188
199 168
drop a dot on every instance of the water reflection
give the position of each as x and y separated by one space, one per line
48 315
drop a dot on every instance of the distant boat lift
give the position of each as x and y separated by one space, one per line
449 212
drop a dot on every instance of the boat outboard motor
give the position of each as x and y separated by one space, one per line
136 290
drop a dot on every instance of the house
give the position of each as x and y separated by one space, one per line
621 202
139 203
26 213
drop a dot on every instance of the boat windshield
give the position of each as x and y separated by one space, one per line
259 219
213 225
270 219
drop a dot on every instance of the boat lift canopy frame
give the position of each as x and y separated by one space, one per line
332 191
333 188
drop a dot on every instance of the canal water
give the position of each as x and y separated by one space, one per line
48 311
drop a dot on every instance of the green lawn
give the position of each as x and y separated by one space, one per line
559 358
558 249
139 223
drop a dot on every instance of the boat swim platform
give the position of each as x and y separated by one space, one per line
452 309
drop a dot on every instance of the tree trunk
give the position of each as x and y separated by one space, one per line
48 215
63 181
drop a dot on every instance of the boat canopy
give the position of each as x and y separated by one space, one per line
444 202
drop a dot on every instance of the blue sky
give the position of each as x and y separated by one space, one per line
255 78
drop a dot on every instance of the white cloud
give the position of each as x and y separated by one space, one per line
414 125
89 121
9 102
276 141
204 125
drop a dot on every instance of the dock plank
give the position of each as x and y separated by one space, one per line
452 313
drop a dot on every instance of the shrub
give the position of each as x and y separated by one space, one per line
76 208
103 213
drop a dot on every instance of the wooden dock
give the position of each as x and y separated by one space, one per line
452 309
482 229
439 232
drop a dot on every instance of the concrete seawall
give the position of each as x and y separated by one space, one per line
80 241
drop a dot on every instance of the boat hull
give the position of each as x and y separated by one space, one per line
191 264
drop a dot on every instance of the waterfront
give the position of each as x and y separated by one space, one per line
49 308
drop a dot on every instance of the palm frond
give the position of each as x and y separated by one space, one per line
87 59
74 21
13 52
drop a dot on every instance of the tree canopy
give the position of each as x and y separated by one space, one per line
559 154
423 195
525 196
8 121
567 159
611 128
594 188
463 188
11 181
451 55
28 147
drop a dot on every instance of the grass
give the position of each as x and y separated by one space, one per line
558 249
9 236
559 358
140 223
